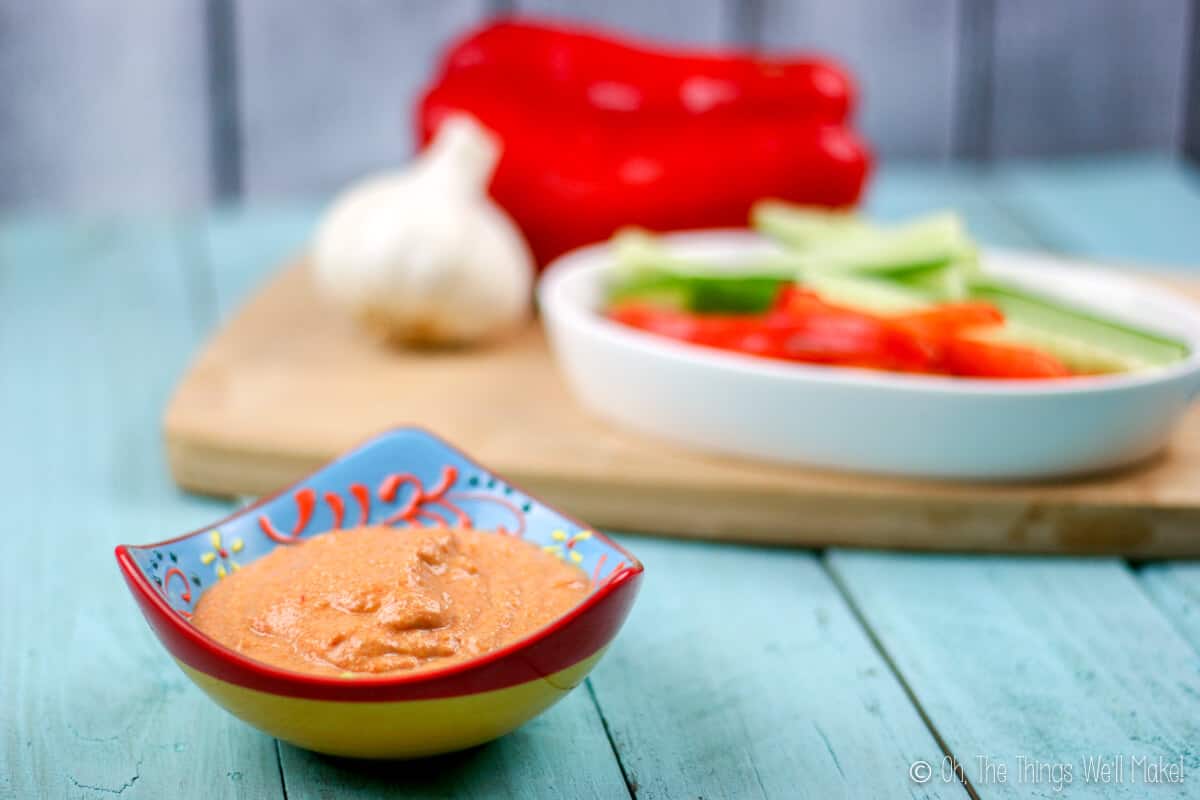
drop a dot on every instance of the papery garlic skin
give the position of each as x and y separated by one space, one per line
423 256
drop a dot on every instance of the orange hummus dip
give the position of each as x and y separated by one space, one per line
381 600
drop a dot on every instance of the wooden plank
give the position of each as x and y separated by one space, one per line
903 54
238 248
686 21
975 79
1135 209
96 326
1078 76
742 673
1048 660
224 118
1175 588
1191 144
312 123
563 753
105 105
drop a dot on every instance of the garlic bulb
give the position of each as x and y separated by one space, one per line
422 255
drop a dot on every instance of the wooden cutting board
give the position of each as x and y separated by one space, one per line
289 383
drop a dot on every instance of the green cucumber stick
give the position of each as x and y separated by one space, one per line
867 294
923 244
800 227
647 272
1083 340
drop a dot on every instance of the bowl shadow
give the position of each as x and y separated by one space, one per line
466 772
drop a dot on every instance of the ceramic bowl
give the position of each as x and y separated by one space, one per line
402 478
853 419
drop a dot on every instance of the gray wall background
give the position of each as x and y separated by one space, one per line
180 103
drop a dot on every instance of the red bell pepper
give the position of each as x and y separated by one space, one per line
578 67
578 164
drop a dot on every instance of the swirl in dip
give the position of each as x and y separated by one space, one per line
381 600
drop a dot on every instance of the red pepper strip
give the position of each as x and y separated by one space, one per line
707 329
978 359
961 355
935 328
819 335
951 318
942 334
834 337
900 349
583 67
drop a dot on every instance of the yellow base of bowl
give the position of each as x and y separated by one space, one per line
394 729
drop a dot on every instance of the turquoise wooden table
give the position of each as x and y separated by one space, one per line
743 672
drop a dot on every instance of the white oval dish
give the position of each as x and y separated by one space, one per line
854 419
